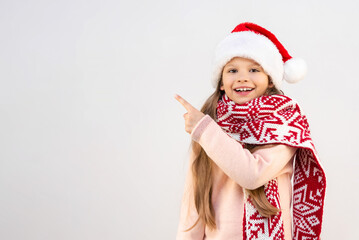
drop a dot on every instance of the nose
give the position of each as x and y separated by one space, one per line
243 76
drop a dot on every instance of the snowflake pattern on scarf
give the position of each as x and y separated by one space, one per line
278 119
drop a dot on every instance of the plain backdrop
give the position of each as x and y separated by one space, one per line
92 142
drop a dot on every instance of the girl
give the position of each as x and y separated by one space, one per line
245 141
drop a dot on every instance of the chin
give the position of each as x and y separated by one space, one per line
243 100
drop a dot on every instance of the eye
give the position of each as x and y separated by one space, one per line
232 70
254 70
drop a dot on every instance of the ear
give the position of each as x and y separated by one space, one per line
220 83
270 83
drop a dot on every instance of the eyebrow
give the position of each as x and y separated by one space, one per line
251 65
255 65
229 65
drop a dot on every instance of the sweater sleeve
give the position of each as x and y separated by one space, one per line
188 212
248 169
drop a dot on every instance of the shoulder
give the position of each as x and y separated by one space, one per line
274 149
278 98
274 103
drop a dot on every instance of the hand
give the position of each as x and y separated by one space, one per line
192 116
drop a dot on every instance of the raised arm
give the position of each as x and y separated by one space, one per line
249 170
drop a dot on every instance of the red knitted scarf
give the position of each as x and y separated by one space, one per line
278 119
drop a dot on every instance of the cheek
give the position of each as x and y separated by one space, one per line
224 82
262 82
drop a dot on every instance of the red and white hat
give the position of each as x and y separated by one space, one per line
251 41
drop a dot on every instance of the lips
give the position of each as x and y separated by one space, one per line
243 89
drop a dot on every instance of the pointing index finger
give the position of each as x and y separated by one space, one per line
184 103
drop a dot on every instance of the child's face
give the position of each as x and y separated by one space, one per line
244 74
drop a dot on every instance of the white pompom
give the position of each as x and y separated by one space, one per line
295 70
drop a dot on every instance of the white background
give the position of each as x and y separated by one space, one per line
92 142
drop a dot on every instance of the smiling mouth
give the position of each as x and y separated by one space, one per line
243 89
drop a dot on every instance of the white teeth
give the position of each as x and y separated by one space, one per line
243 89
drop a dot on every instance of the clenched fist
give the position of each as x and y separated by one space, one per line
192 116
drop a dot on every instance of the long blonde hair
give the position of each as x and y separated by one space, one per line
202 172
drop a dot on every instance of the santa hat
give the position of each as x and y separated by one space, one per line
251 41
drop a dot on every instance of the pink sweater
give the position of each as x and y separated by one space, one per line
235 169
